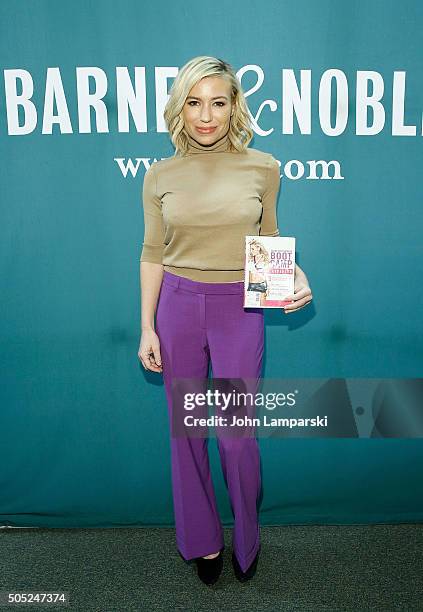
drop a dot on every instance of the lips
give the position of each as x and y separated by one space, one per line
205 130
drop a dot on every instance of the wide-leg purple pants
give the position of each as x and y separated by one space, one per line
198 322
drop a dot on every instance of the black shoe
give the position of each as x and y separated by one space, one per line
209 570
249 573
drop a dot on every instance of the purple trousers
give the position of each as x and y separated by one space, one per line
198 323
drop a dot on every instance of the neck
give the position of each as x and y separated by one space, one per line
220 146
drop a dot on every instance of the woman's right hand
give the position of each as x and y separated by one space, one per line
149 351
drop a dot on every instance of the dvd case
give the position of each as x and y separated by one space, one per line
269 271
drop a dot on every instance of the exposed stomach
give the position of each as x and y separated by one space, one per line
256 277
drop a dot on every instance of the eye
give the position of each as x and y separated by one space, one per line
192 102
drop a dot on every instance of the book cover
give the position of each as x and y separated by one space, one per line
269 271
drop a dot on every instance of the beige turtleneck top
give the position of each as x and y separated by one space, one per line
199 207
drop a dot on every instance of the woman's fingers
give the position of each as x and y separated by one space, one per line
156 354
149 351
299 294
149 359
301 299
298 304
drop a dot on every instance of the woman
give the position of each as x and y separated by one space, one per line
199 205
258 262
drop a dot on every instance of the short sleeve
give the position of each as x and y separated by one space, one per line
269 220
153 245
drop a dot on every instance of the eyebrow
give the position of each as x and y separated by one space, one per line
215 98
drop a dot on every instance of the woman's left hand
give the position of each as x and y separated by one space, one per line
302 292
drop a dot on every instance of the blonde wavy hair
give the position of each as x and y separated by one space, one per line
240 131
263 251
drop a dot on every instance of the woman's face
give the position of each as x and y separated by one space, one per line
208 105
254 250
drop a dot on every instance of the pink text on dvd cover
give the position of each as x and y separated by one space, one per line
269 271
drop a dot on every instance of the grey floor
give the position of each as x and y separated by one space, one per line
312 568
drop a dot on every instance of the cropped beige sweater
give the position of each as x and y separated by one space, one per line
198 208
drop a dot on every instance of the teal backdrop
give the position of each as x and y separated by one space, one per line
84 429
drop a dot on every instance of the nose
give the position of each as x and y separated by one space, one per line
206 113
